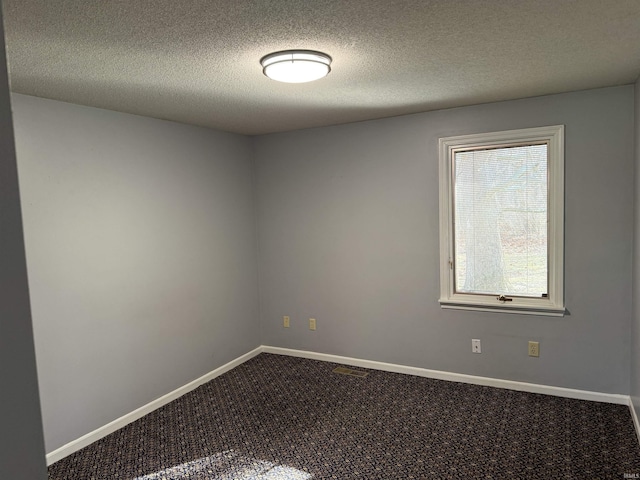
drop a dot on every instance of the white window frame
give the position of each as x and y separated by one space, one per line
553 304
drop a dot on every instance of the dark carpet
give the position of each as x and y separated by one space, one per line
277 417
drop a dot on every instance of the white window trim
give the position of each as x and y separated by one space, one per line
553 305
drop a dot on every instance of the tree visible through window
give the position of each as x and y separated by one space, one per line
501 221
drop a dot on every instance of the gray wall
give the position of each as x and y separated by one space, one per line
21 440
348 233
140 242
635 331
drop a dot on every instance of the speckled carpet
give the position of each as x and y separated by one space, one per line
277 417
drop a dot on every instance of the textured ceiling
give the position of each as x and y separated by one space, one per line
197 61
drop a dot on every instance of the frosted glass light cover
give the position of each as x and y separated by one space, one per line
296 66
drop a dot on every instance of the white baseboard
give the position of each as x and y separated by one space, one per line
456 377
118 423
636 423
111 427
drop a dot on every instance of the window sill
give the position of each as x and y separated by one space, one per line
541 310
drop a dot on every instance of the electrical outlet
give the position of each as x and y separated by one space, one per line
475 346
286 321
534 349
312 324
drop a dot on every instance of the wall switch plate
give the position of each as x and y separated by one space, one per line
312 324
475 346
286 321
534 349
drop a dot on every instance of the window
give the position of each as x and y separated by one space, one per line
502 221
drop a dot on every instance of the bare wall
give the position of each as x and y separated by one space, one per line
21 438
348 234
635 330
140 242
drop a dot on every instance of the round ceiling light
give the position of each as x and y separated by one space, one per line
296 66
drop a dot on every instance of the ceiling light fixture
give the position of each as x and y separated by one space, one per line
296 66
